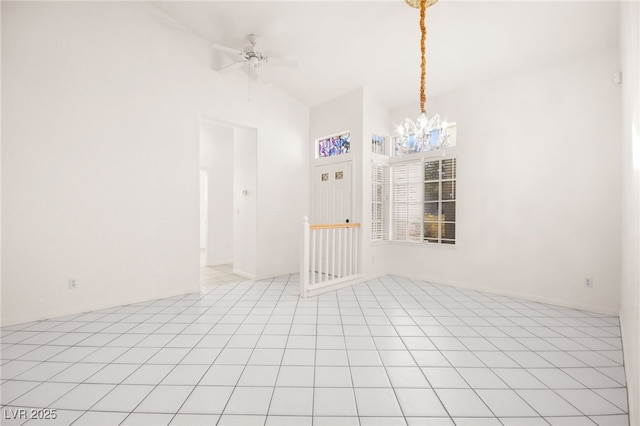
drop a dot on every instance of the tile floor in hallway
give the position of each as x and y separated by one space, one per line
211 276
389 351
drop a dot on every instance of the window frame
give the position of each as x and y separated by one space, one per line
383 236
318 141
421 159
407 178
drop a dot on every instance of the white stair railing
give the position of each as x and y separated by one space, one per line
330 257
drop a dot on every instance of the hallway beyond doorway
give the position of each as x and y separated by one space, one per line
211 276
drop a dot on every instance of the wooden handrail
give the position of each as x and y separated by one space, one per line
335 226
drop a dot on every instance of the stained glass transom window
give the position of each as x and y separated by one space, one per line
335 145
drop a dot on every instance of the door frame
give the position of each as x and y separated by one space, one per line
250 269
204 209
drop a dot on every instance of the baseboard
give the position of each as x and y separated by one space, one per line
244 274
516 294
526 296
335 285
491 290
349 281
630 347
52 314
221 263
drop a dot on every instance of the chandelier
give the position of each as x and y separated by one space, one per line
422 134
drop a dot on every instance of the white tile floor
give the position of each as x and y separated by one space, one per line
389 351
211 276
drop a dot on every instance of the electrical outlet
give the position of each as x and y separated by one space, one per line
73 284
588 282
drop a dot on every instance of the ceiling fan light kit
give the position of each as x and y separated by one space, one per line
252 56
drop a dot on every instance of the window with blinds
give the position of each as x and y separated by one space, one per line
440 201
424 201
379 202
407 201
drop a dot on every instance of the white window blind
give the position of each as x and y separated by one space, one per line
407 201
379 202
424 201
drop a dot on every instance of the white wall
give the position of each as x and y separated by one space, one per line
538 186
375 120
216 156
101 107
244 202
1 174
283 187
630 288
203 208
340 115
361 113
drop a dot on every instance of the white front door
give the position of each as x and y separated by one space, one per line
332 193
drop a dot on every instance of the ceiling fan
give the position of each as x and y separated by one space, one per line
252 57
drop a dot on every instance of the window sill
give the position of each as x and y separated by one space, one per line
422 244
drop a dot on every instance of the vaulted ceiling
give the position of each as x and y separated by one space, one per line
342 45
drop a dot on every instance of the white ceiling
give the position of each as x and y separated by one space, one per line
342 45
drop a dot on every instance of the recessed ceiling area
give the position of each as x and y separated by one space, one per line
341 45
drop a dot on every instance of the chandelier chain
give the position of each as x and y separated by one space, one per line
424 133
423 63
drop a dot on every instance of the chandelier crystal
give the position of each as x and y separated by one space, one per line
422 134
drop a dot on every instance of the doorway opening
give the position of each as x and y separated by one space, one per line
227 202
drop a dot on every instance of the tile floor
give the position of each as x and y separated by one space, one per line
211 276
389 351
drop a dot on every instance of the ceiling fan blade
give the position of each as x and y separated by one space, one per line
282 62
226 49
230 66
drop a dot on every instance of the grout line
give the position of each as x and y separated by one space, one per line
499 321
283 351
